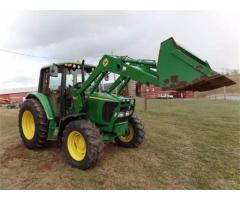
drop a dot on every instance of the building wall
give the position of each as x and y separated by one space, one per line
4 98
131 88
13 97
151 91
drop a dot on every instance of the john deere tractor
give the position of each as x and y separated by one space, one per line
70 107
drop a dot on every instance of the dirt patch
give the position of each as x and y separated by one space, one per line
16 155
12 153
46 166
56 153
54 157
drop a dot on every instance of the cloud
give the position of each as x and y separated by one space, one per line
18 72
213 36
42 28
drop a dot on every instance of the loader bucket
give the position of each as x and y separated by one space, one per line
181 70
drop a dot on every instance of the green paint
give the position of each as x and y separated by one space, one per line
177 65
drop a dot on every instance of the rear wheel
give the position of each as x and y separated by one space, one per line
82 144
33 124
135 134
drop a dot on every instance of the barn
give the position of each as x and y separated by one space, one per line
15 95
151 91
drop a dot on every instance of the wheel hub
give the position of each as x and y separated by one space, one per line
28 125
129 136
76 145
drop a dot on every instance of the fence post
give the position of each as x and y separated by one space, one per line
145 98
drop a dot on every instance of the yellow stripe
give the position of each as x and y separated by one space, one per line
98 98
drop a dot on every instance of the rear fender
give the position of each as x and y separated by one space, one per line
48 110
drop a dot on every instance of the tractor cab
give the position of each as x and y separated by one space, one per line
57 82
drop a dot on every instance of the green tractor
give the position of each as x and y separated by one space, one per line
70 107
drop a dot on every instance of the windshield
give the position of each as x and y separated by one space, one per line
74 77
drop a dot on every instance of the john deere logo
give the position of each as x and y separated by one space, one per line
105 62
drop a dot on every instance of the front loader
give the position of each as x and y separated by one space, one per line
70 108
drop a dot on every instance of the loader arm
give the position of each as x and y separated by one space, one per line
128 69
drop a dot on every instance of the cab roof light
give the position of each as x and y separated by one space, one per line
68 65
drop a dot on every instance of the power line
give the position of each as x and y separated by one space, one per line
34 56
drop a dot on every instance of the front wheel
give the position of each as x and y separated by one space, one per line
135 134
82 144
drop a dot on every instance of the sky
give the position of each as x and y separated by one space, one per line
77 35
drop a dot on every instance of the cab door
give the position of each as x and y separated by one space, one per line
51 86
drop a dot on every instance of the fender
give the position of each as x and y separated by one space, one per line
48 110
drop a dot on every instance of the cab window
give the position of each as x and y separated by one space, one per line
75 76
55 82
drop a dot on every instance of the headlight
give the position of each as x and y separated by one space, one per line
121 114
127 113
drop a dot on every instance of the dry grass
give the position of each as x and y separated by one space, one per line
191 144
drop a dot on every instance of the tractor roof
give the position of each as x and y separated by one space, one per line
69 63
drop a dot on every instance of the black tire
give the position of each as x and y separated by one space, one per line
92 139
39 138
138 134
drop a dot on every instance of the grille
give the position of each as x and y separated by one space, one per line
108 109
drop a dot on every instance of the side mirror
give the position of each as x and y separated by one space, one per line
54 70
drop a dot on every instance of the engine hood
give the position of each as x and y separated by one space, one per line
102 96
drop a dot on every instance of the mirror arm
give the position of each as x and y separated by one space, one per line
83 71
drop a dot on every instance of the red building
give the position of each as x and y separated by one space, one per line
151 91
15 95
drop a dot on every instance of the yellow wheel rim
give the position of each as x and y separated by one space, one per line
129 136
28 125
76 144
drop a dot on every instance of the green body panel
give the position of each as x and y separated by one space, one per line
119 129
77 104
95 107
48 110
